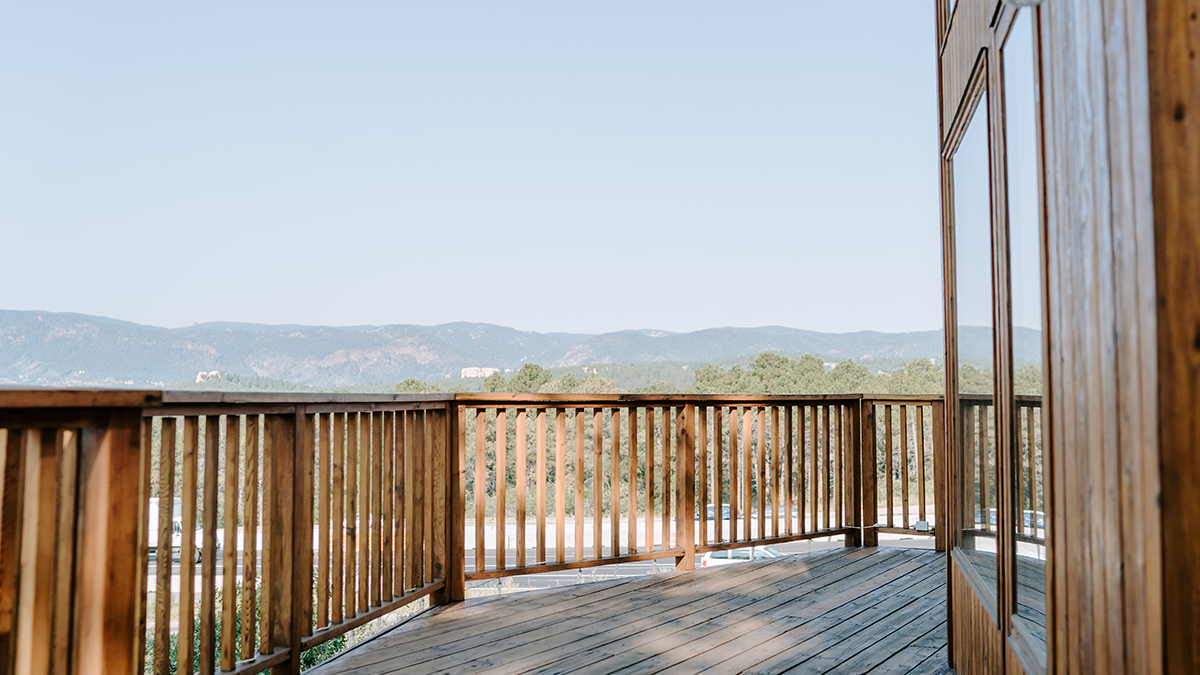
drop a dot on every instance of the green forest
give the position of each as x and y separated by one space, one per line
766 373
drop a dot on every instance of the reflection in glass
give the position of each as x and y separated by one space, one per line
973 269
1020 122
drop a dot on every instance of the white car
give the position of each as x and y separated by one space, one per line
735 555
176 531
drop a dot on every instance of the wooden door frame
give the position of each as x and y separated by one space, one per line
970 61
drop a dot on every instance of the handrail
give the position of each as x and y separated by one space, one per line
355 505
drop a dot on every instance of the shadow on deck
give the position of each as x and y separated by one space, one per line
872 610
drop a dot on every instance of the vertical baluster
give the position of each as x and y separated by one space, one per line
970 459
775 471
718 486
813 469
826 491
233 426
480 487
250 515
580 507
323 486
838 460
541 485
788 471
208 545
920 411
702 470
747 476
352 531
761 472
387 496
614 481
163 564
735 507
376 523
985 474
890 465
633 489
560 485
425 423
1022 463
501 487
365 469
1033 484
401 495
337 433
522 458
649 479
597 483
187 549
904 463
801 472
667 542
412 491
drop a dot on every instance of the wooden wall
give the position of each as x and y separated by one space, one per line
1105 544
1173 30
979 647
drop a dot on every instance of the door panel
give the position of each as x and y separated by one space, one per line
992 231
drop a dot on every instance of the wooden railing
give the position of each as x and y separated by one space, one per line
904 439
311 515
979 466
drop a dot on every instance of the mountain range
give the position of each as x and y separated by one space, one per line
57 349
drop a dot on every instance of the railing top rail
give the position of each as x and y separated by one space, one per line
589 400
988 398
899 399
210 397
21 397
14 397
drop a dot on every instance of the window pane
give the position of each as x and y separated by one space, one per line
1025 260
973 270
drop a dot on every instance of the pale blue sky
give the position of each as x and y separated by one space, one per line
544 165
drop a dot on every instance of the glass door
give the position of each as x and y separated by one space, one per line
993 255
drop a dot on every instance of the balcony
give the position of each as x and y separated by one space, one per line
876 610
351 507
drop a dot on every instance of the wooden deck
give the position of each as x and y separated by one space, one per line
872 610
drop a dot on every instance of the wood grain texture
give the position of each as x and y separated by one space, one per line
560 485
1106 542
338 528
522 447
1173 34
842 612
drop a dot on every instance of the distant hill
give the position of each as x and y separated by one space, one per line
48 348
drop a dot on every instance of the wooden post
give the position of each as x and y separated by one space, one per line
685 487
439 434
854 486
302 528
869 469
279 578
941 480
456 498
110 536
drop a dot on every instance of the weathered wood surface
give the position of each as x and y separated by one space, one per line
849 610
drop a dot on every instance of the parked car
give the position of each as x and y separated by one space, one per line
176 531
734 555
176 527
712 512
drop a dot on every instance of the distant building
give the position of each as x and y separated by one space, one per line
479 372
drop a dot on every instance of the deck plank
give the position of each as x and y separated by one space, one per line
878 610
